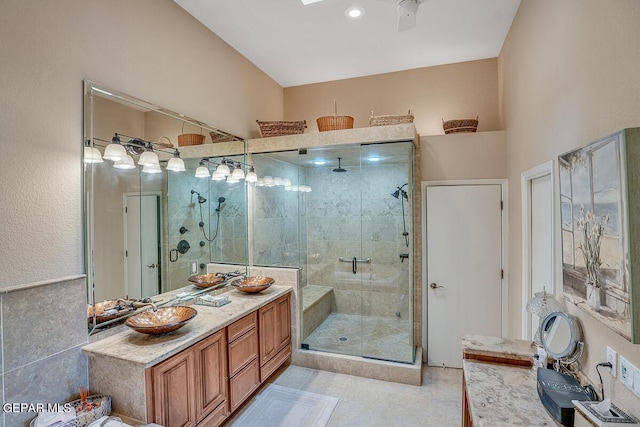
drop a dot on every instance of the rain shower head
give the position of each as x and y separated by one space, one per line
399 192
339 168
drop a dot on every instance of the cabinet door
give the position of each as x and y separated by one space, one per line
174 387
268 319
283 324
211 374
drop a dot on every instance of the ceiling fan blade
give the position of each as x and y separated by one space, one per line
306 2
407 10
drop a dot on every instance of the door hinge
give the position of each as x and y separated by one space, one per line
126 254
126 209
501 205
502 274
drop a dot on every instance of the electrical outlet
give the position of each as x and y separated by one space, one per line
627 371
612 357
636 382
193 267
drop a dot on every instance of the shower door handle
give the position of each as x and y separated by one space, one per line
435 286
354 265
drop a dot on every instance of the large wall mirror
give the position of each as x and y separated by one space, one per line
149 227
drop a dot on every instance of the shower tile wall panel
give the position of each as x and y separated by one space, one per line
275 216
353 214
43 329
184 211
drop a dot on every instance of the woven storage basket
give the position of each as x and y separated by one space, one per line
85 418
218 137
390 120
326 123
460 125
280 128
190 138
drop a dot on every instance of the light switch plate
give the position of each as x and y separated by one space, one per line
627 371
612 357
193 267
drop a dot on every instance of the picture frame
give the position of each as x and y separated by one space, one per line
599 190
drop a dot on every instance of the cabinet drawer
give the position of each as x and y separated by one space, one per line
271 366
242 351
243 384
239 327
216 417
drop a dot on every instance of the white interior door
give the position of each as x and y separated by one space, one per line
537 239
142 264
464 267
540 262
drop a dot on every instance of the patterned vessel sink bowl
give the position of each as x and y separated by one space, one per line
253 284
109 310
162 321
206 280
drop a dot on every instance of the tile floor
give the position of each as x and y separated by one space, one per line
385 338
371 403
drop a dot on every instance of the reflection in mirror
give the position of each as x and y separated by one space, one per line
561 337
148 228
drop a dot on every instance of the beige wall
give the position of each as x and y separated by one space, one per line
454 91
150 49
481 155
569 74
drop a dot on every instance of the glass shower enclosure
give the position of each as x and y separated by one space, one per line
356 250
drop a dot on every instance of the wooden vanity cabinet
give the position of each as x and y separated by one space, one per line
275 335
190 388
244 376
203 384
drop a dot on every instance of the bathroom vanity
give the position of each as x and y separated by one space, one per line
201 373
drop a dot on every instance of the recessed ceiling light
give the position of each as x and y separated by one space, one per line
319 162
354 12
373 158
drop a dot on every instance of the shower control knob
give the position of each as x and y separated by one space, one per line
434 286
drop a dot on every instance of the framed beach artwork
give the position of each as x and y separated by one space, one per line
600 217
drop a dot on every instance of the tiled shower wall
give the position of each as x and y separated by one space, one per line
43 327
352 214
183 210
276 215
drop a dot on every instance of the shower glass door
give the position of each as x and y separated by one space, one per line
356 226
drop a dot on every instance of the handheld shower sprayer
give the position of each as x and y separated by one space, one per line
220 202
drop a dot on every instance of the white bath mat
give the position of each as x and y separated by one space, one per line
279 406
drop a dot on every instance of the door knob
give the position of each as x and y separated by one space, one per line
152 266
434 286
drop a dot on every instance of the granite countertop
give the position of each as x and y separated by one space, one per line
505 348
503 395
148 350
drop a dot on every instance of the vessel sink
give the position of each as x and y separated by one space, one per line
161 321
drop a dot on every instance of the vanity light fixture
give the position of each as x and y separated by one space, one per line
215 176
286 182
92 155
175 163
278 181
151 168
237 173
354 12
202 171
251 175
126 163
115 151
268 181
148 157
223 169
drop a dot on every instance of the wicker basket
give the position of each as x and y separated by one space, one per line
460 125
222 137
390 120
281 128
190 138
326 123
85 418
